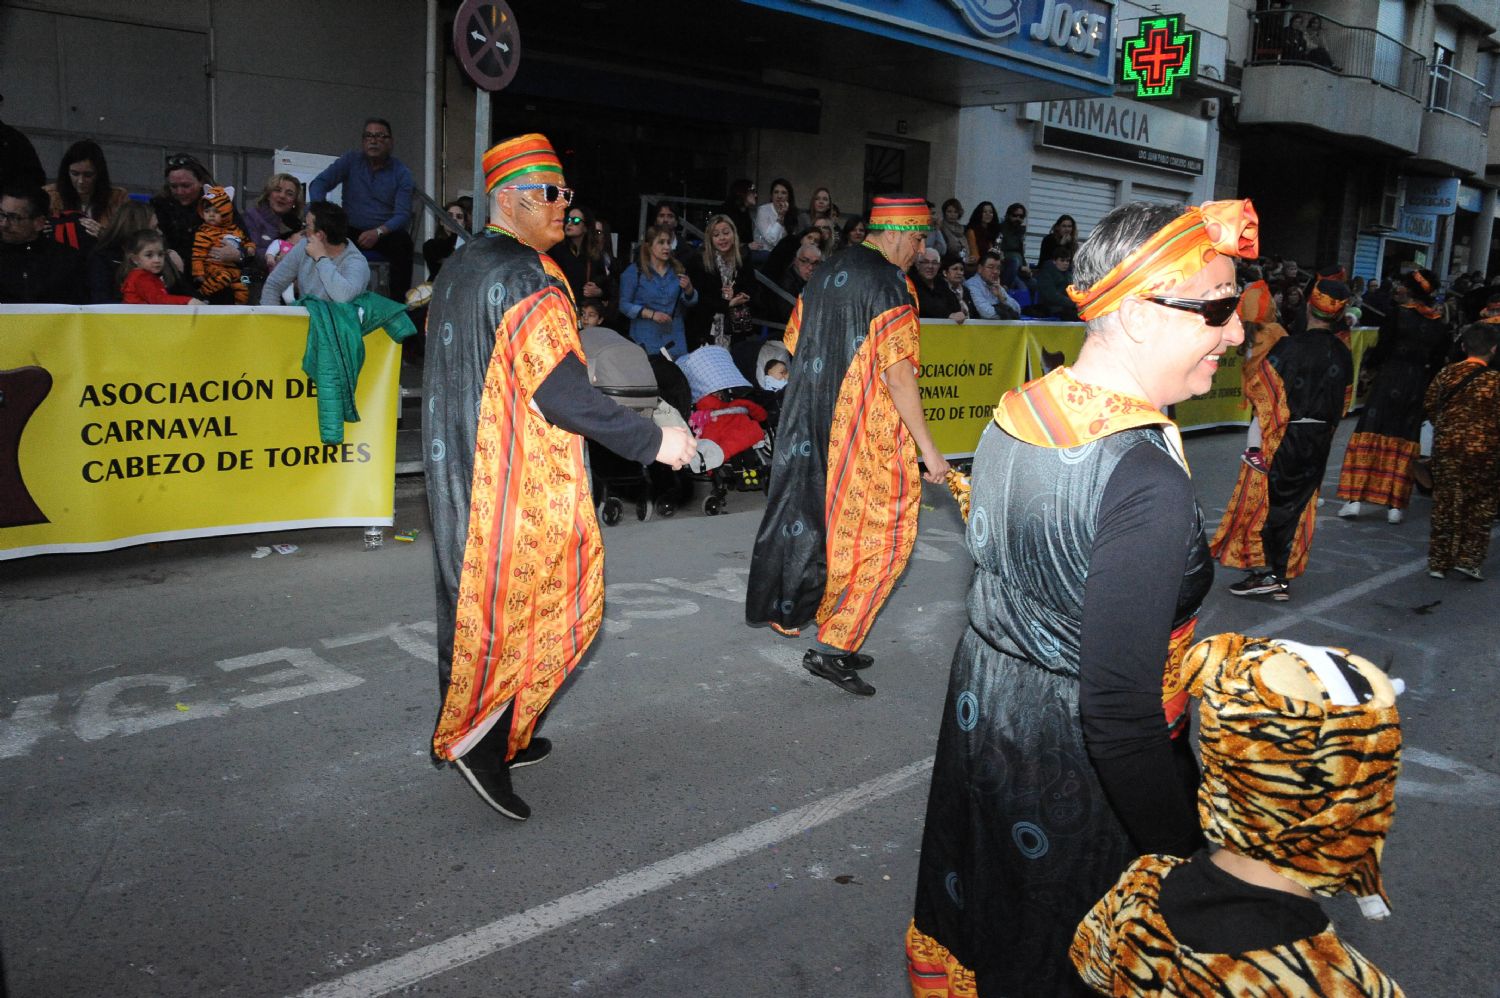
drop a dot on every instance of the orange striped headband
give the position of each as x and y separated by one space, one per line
899 215
515 158
1174 254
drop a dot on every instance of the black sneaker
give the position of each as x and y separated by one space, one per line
1261 584
532 754
493 787
838 670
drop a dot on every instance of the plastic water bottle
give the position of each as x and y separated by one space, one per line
374 538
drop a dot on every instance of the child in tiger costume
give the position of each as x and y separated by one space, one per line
218 283
1301 747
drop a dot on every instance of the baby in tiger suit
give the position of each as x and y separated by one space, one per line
218 283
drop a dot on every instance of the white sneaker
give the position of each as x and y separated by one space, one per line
1434 573
1349 510
1394 515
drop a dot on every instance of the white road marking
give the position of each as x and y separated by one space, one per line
440 957
786 656
1273 624
1470 785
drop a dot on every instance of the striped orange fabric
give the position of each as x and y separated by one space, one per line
531 590
935 972
1377 469
517 157
899 214
1058 410
874 491
1174 254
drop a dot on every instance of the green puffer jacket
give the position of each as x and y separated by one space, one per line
336 352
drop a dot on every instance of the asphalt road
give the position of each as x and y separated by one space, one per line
214 778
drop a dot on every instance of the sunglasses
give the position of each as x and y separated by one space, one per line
1216 312
550 192
575 219
181 160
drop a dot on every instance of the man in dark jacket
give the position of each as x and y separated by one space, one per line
34 269
19 165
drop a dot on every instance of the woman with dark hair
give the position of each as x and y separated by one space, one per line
778 217
1411 349
83 199
109 252
724 282
1063 752
579 256
952 227
820 208
740 207
982 232
177 210
853 233
1064 234
324 265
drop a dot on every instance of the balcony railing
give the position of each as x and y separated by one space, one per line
1460 95
1302 38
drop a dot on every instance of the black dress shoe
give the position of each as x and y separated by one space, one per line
532 754
493 787
837 670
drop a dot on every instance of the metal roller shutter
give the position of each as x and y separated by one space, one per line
1157 195
1063 192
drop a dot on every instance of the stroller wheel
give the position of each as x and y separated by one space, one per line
643 510
713 505
665 507
610 510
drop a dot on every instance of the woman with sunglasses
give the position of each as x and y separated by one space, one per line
579 256
1061 756
654 293
177 210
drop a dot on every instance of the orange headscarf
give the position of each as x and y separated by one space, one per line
1173 254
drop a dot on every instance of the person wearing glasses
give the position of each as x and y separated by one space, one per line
377 189
1300 389
34 268
1061 755
841 514
520 563
987 291
581 258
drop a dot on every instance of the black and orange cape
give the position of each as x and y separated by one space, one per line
520 567
841 518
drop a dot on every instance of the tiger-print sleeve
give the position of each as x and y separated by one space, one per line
1093 949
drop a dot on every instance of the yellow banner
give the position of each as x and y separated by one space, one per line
966 367
121 425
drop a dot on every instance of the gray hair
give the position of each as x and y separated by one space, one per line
928 253
1119 234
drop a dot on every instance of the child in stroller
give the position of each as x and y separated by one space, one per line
724 414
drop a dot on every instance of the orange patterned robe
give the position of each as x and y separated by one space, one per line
520 561
841 519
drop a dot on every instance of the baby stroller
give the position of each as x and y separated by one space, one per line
730 426
619 368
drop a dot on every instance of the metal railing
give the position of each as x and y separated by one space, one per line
243 167
1303 38
1460 95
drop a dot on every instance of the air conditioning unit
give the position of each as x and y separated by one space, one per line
1208 107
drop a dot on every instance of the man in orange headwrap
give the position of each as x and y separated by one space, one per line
1301 388
520 572
841 517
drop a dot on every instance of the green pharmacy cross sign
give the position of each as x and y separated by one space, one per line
1159 57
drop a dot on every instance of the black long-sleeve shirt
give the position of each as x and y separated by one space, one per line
568 400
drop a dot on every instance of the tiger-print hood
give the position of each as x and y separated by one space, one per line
1294 775
221 198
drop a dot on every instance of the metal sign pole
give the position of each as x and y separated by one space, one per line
481 144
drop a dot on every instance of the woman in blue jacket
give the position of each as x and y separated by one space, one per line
655 292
